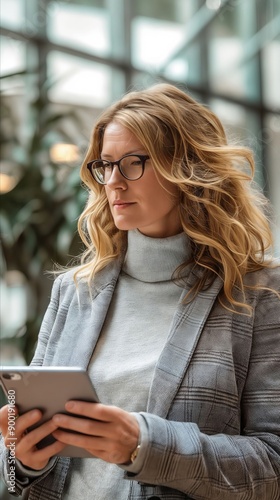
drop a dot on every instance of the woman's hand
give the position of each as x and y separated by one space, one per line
25 442
107 432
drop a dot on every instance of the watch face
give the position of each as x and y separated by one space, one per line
134 453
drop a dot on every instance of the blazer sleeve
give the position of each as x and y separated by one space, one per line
220 466
47 323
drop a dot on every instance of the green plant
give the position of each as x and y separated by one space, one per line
38 216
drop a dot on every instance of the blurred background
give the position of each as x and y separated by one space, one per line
62 62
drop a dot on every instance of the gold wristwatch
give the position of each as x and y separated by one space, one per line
134 454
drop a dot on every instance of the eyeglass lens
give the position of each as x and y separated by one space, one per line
130 166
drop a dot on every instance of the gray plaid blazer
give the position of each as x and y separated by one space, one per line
213 414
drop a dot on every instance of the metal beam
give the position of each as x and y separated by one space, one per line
258 42
120 16
198 23
206 93
41 40
203 90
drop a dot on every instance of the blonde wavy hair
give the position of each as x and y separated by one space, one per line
220 212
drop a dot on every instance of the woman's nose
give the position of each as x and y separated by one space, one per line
116 179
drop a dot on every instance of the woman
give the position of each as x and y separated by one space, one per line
175 312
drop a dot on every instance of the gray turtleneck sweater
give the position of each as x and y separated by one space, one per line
132 338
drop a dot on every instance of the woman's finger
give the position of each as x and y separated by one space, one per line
4 419
37 459
7 418
117 431
23 422
112 440
97 446
78 424
95 411
29 440
80 440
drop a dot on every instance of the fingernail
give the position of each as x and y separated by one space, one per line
36 413
56 419
70 405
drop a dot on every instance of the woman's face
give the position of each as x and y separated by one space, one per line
145 204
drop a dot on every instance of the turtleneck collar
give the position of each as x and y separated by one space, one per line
155 259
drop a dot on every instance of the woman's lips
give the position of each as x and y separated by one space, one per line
118 205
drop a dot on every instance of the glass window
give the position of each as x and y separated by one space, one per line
12 14
80 26
243 128
12 60
187 67
272 139
271 73
154 41
94 3
228 74
12 55
233 64
168 10
178 70
78 81
158 31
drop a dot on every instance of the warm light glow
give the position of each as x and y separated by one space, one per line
7 183
64 153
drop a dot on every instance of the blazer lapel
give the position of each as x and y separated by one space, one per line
185 331
73 343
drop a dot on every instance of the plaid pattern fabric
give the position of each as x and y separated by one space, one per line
213 415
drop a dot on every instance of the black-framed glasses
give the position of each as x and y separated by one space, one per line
130 166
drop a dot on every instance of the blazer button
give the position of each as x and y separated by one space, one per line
154 498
